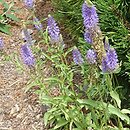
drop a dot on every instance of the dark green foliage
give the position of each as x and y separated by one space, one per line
125 9
69 13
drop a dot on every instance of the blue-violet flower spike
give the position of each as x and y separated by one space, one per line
110 61
53 29
77 58
88 38
91 56
1 43
89 15
29 3
37 24
27 55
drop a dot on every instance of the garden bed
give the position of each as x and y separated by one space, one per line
64 75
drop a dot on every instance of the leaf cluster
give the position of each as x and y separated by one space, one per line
7 14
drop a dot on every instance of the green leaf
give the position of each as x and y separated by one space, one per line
76 129
60 123
13 17
1 17
126 111
46 117
48 57
17 62
115 96
95 104
78 124
30 85
101 105
46 99
6 6
5 28
53 79
68 51
117 112
1 1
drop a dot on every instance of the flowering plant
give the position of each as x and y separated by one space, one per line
114 22
86 102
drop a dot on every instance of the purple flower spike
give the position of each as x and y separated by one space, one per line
27 55
77 56
89 15
87 37
37 24
110 61
53 29
104 65
1 43
91 56
29 3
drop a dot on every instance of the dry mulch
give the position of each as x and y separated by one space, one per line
18 110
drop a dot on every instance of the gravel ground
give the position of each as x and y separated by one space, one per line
18 110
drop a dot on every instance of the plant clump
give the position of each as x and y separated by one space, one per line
92 104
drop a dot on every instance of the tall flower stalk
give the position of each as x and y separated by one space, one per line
77 58
53 29
91 56
110 61
106 56
27 55
89 15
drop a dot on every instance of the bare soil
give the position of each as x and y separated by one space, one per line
19 110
